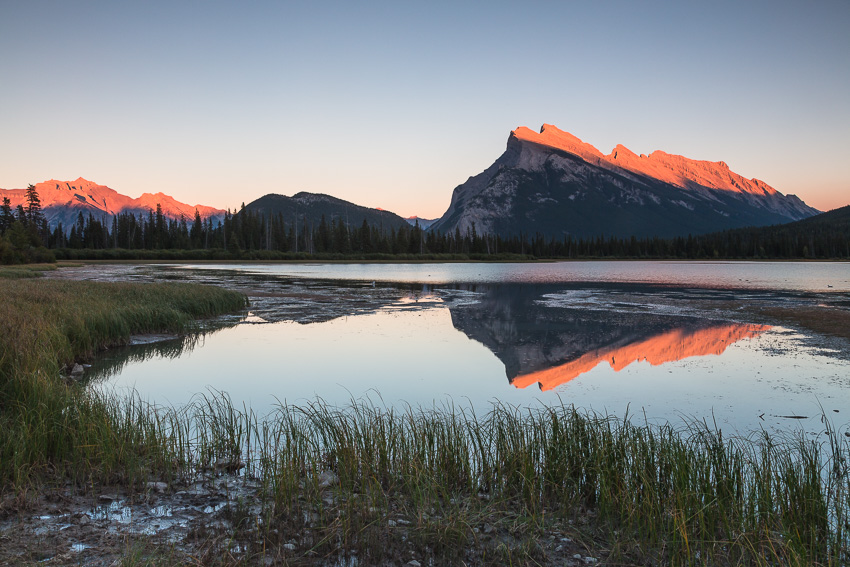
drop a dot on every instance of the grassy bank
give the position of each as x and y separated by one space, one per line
442 485
49 427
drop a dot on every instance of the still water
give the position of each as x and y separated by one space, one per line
726 343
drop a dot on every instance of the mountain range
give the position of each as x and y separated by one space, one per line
554 184
547 182
63 201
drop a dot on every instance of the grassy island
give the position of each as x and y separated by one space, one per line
443 485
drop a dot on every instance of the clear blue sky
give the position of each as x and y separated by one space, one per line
394 104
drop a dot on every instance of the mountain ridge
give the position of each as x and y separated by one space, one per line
553 183
62 201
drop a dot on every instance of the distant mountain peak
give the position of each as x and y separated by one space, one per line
63 201
311 207
424 224
551 182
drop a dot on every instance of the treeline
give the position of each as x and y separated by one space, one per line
24 232
253 235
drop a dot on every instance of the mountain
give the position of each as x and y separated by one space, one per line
310 207
553 183
424 224
62 201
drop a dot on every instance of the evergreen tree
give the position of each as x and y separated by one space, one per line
6 215
33 209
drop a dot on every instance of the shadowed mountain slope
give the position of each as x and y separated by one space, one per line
310 207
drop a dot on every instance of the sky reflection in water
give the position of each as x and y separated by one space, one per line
654 352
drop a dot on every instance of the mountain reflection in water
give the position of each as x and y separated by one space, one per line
667 347
551 345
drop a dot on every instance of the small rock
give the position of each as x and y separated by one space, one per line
327 479
107 497
403 522
159 487
229 465
488 528
566 540
559 548
413 563
590 560
76 370
84 520
289 546
577 556
392 523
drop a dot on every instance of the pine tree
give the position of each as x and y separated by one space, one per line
6 215
33 208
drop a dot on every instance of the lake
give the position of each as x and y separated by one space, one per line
730 343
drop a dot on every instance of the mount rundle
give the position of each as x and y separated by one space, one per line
554 184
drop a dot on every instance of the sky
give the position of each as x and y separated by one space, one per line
394 104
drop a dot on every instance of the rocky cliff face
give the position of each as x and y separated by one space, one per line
62 201
553 183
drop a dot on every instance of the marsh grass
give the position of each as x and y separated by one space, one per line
49 426
25 271
376 481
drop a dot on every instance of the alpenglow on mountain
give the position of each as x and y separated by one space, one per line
63 201
554 184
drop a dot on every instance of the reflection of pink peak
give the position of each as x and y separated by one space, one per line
666 347
673 169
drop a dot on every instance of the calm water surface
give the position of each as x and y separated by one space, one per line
661 340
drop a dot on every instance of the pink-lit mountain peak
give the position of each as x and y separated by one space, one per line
556 138
674 169
62 200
